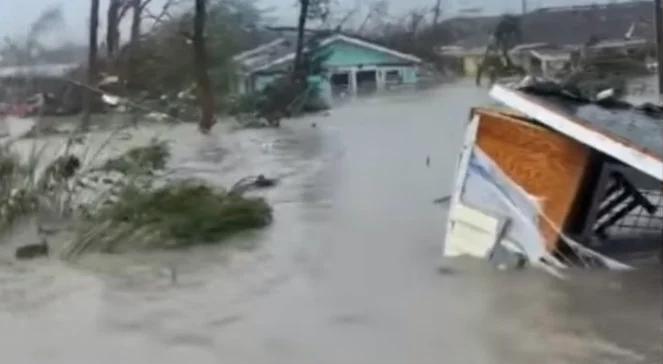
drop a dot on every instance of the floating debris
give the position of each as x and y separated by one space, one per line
577 191
442 200
32 251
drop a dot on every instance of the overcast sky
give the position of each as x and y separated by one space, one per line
16 19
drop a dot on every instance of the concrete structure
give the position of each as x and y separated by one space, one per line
19 85
351 66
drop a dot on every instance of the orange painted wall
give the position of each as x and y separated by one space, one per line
546 164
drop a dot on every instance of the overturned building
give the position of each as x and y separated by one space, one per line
559 181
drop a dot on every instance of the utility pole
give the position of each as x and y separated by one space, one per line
658 15
524 6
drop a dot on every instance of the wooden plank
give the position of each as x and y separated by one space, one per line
544 163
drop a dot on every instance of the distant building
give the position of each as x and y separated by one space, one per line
353 66
579 25
550 35
53 82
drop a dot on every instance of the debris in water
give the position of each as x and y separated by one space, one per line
508 209
32 251
171 273
264 182
605 94
442 200
253 182
446 271
111 100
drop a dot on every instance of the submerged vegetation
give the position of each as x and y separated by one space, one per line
176 215
123 205
157 213
140 159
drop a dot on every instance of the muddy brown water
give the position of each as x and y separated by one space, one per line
348 273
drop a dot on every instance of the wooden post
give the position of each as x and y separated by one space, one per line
88 94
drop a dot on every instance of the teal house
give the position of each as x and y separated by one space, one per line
352 66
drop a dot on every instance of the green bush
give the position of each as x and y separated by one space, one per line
178 215
141 159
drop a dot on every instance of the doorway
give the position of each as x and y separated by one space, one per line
340 83
367 82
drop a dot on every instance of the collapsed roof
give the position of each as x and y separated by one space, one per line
632 135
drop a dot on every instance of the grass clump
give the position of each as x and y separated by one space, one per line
177 215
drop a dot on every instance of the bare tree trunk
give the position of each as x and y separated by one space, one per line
88 94
363 24
136 22
205 96
113 28
137 7
301 29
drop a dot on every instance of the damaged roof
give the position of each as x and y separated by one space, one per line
633 135
263 55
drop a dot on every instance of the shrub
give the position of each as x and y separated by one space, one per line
141 159
179 214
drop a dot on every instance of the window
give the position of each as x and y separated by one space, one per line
394 77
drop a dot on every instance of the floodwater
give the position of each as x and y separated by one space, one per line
349 272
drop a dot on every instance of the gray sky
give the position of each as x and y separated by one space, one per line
17 18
